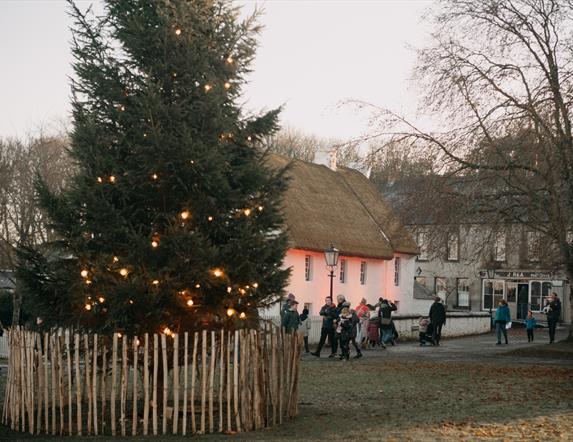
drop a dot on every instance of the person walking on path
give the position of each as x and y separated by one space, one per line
286 307
361 313
344 330
292 318
530 323
385 314
437 318
553 314
502 317
305 328
354 332
329 314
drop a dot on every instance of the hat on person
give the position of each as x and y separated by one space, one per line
346 304
291 297
437 298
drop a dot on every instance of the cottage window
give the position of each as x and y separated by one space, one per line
308 268
493 292
440 287
499 247
533 246
342 271
453 246
363 272
421 280
397 271
422 242
463 292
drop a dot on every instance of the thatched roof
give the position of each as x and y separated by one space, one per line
342 207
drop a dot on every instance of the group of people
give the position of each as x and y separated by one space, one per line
370 326
503 318
364 326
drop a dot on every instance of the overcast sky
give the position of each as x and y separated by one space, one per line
313 55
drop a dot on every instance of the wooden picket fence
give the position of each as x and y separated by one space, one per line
195 383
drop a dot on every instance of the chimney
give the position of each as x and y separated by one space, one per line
333 160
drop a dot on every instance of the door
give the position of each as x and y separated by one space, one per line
511 297
522 300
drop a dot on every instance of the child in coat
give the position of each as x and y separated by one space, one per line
423 329
530 323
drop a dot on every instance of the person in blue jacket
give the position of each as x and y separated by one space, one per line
502 317
530 323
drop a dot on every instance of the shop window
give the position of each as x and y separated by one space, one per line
493 292
397 271
535 296
308 268
545 292
463 288
342 271
363 272
499 247
453 246
533 246
422 242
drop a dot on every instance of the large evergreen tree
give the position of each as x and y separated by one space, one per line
173 220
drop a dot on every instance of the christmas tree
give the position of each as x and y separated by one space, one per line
173 221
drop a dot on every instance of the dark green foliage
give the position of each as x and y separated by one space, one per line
158 133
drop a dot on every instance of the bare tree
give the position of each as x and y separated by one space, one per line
500 77
21 221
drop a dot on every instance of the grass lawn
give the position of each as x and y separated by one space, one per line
387 398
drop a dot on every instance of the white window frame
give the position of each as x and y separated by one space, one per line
422 243
495 297
442 293
453 245
308 268
499 247
397 271
463 294
533 246
545 288
363 270
343 267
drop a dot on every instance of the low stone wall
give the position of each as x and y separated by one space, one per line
457 324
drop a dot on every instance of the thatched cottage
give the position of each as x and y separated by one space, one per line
341 206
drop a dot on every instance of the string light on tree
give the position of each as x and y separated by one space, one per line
115 259
230 60
243 315
217 273
154 177
88 307
88 281
178 32
255 285
247 212
123 272
227 85
84 273
167 331
185 215
112 179
155 282
207 87
197 286
154 243
209 218
260 208
99 179
190 303
101 299
230 312
229 289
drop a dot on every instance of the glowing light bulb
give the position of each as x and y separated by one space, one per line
101 299
218 273
119 335
242 291
115 259
227 85
185 214
131 301
155 176
155 282
247 212
190 302
154 244
230 60
249 138
112 179
167 331
84 273
255 284
207 87
260 208
229 289
242 315
122 108
197 286
88 281
123 272
230 312
144 135
88 307
178 32
99 179
209 218
137 342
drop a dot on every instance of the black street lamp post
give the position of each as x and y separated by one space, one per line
331 258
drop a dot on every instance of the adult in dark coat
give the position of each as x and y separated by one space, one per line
329 313
437 318
385 315
553 314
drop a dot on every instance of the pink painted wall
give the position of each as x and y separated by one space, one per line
379 281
